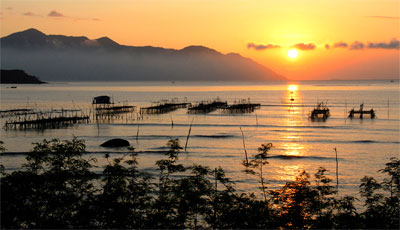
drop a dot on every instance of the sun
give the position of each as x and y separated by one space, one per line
293 53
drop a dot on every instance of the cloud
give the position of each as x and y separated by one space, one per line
88 19
340 45
303 46
384 17
394 44
54 13
261 47
30 14
357 45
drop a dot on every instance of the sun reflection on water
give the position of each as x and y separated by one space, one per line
293 149
292 145
289 172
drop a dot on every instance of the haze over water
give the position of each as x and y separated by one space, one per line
364 146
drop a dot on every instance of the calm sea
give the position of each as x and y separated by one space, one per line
363 146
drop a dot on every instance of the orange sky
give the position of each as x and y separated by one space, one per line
230 25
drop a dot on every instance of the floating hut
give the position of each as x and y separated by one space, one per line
244 106
320 113
361 113
102 100
207 107
105 109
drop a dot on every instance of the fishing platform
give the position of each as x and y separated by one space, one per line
244 106
164 107
207 107
46 120
320 113
105 108
361 113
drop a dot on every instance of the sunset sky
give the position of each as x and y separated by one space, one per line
341 39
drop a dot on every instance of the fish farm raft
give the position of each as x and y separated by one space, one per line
320 113
361 113
244 106
164 107
45 120
105 109
204 107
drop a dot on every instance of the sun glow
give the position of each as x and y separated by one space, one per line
293 53
292 87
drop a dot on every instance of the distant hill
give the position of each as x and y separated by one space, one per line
18 77
65 58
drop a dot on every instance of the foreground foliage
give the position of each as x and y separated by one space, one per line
57 188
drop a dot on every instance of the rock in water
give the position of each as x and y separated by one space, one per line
114 143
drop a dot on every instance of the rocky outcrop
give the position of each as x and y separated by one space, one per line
18 77
115 143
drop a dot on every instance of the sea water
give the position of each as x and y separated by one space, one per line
363 146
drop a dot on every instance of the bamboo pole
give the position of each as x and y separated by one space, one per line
337 170
256 119
388 108
137 132
345 112
244 147
172 121
187 138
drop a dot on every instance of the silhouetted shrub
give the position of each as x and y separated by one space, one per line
57 188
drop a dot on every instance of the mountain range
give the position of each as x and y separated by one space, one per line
67 58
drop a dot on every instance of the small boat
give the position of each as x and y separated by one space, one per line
13 87
320 113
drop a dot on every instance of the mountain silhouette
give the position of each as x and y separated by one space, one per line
17 76
69 58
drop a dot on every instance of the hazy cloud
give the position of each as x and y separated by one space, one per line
88 19
303 46
394 44
54 13
261 47
357 45
30 14
384 17
340 45
91 42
